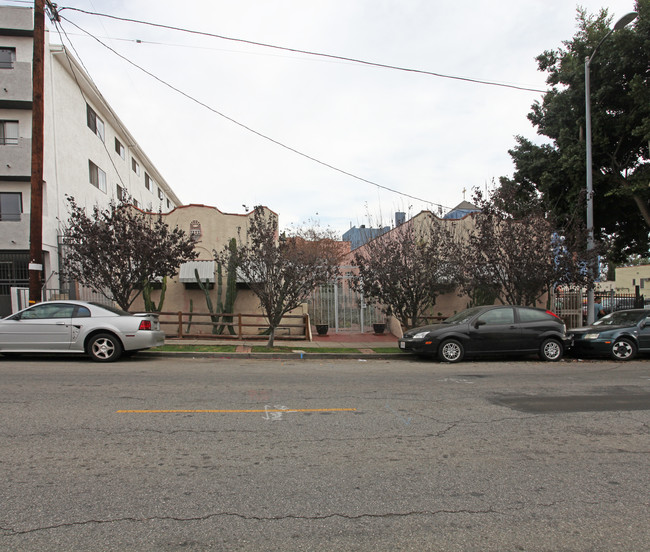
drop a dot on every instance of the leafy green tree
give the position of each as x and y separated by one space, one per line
117 250
553 174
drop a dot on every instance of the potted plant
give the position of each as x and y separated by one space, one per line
321 329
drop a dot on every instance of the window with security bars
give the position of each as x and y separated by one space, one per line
13 270
8 133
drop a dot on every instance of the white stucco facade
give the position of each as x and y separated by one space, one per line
88 152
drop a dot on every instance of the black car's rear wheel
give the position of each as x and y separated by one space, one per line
551 350
623 349
104 347
451 350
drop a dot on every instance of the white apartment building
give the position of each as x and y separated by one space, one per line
88 152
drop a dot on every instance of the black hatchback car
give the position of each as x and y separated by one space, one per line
492 330
620 335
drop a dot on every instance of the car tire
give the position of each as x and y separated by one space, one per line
451 350
551 350
104 347
623 349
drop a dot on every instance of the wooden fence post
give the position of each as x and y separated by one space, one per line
179 333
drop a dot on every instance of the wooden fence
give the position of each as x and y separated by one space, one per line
231 326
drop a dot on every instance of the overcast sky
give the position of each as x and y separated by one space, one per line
429 137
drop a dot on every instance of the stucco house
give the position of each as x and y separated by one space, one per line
212 230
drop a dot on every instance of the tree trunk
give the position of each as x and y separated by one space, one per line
643 208
271 337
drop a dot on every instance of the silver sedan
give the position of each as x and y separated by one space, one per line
103 333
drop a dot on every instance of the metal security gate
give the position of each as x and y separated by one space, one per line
571 304
341 308
14 273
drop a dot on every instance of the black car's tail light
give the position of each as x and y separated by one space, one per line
553 314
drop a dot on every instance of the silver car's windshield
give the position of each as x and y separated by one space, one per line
463 316
622 318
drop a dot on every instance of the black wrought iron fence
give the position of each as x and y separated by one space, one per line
571 305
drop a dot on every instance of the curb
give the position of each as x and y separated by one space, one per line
279 356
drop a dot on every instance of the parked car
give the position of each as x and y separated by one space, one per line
491 330
103 333
620 335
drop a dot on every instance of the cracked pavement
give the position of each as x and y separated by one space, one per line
434 456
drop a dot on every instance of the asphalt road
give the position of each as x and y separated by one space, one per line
205 454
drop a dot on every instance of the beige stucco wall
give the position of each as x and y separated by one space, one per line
446 304
213 230
627 277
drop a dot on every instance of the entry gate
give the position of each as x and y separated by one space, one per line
341 308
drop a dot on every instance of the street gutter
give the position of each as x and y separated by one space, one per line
296 355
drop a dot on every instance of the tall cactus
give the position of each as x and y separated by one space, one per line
204 286
231 287
149 304
189 321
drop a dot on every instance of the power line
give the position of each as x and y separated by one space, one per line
249 129
307 52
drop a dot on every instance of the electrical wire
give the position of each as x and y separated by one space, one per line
61 32
249 129
307 52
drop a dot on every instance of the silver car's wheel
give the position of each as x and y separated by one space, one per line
551 350
104 348
451 350
623 349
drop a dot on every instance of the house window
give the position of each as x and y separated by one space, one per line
135 166
94 122
8 133
160 194
119 148
195 230
97 176
147 181
121 192
11 206
7 57
168 203
136 203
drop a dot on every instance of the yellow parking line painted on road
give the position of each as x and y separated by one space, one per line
257 411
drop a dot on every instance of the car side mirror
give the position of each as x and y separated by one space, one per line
479 323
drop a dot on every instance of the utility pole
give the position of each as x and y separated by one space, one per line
36 202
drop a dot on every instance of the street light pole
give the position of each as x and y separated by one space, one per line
622 22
